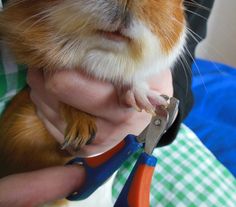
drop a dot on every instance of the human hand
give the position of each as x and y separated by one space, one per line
40 187
114 121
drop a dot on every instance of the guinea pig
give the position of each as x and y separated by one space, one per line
120 41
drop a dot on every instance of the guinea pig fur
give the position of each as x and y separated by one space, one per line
116 40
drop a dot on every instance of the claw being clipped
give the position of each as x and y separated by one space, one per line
141 97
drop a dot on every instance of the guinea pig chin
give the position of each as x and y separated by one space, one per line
114 43
107 40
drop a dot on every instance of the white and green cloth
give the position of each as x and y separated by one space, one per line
12 77
187 174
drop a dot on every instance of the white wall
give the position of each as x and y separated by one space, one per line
220 44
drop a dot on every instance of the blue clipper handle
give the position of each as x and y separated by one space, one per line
136 192
99 169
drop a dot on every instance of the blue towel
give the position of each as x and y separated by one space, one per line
213 117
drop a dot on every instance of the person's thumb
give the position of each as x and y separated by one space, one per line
39 187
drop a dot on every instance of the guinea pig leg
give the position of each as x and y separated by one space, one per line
81 128
141 97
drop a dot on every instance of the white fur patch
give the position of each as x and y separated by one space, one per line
113 60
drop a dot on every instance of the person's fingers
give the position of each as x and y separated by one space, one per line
113 131
39 187
46 112
89 95
55 130
46 104
35 79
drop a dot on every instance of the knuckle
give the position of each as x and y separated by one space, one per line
54 85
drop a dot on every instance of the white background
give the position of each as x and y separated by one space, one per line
220 44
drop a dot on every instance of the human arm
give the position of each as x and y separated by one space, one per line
40 187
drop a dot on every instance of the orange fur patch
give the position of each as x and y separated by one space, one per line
25 144
165 18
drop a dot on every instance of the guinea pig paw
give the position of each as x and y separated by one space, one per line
156 99
142 99
78 134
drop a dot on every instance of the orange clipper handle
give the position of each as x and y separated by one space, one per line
99 169
136 192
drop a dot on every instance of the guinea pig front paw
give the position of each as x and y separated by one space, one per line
79 132
143 98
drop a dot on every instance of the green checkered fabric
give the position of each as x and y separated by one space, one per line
12 77
187 175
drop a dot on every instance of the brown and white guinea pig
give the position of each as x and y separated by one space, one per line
121 41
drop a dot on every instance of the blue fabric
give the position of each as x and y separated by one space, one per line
213 117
